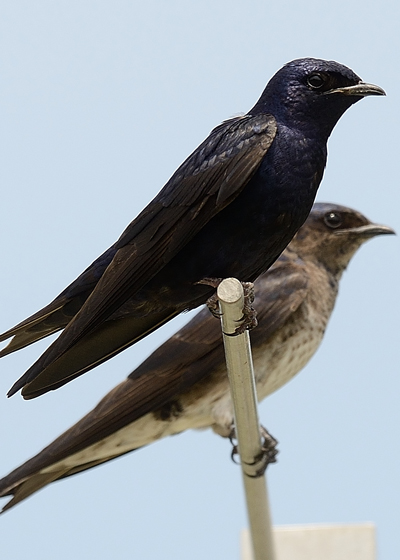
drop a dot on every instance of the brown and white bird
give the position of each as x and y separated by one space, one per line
184 384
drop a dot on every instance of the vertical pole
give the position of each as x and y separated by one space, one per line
241 377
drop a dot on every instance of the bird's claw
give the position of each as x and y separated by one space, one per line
213 306
249 318
235 450
212 302
268 451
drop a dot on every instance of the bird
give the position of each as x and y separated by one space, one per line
183 384
228 211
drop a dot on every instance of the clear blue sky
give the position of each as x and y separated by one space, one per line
100 102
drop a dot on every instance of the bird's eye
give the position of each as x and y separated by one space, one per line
315 81
333 219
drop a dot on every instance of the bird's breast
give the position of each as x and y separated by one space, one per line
286 353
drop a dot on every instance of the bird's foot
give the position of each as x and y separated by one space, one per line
235 449
212 302
268 450
249 318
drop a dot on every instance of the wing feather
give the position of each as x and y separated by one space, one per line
204 184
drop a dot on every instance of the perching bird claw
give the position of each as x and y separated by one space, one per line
268 451
235 450
249 316
212 302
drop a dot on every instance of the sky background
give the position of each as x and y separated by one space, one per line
100 102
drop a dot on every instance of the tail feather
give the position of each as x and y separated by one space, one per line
27 487
23 487
103 343
45 322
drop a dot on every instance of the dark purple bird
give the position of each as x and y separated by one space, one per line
229 210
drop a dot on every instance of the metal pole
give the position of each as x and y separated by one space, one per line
241 377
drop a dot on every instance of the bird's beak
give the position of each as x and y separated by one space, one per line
359 90
370 230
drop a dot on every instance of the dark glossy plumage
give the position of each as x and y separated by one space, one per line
229 210
183 384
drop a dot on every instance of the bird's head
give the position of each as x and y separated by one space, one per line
333 233
313 94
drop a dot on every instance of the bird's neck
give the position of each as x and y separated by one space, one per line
301 118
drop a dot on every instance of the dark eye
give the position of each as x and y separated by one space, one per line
315 81
333 219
